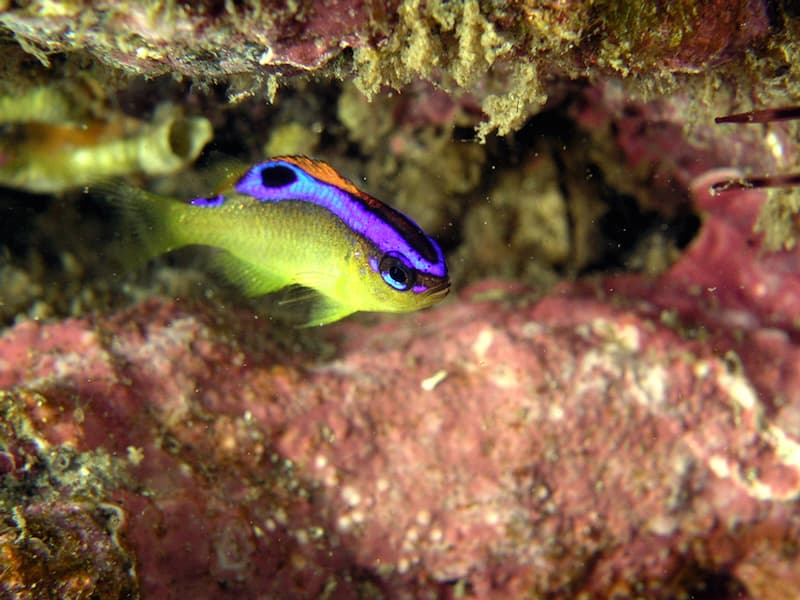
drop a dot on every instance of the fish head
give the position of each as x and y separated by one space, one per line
389 263
393 281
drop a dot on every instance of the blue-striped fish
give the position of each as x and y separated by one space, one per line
295 221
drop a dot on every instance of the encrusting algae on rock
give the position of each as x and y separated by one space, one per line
504 54
607 406
58 530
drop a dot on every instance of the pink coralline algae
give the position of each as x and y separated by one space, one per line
621 438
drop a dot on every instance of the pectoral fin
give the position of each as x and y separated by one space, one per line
325 310
250 279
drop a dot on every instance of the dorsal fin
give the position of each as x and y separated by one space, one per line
322 171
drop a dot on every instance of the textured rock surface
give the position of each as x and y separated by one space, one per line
631 436
619 437
152 40
504 54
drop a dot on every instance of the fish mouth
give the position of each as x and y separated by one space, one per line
439 291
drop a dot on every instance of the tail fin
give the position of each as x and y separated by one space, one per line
147 221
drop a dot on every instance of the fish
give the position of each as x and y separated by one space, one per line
295 221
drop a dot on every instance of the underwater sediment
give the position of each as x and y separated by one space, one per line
606 405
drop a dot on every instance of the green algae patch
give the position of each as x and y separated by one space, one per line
461 49
779 219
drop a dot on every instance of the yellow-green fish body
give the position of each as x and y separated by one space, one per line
295 221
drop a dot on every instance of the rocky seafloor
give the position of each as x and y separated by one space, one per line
607 405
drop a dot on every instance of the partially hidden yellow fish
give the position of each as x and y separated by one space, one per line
295 221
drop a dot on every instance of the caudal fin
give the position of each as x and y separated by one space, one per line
146 220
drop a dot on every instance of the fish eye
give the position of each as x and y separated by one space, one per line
396 272
277 176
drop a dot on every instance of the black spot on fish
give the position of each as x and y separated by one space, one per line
277 176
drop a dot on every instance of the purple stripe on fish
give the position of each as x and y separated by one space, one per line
211 202
379 223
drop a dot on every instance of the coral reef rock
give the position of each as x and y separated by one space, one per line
605 440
